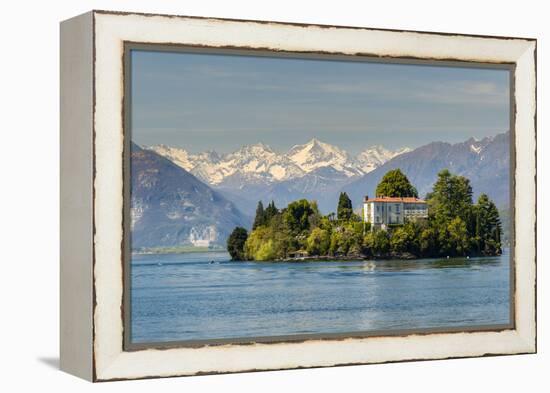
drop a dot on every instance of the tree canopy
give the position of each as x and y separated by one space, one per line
296 215
451 197
344 210
236 242
260 218
263 216
395 184
455 226
488 225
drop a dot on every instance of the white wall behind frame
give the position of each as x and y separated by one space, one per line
30 344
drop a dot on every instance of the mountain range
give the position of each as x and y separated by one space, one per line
256 172
260 164
184 198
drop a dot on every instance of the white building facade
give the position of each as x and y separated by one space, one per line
383 211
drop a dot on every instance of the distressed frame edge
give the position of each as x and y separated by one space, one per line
304 24
528 340
526 129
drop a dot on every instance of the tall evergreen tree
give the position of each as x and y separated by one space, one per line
345 209
395 184
236 242
260 218
271 211
478 231
489 227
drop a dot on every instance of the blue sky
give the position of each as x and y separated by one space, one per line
220 102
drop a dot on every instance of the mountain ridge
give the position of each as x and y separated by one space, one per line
261 164
485 162
320 171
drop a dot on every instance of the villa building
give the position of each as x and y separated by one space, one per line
383 211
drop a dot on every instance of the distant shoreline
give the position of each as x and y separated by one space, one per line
177 250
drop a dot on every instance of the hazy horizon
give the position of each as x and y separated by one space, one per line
202 102
307 141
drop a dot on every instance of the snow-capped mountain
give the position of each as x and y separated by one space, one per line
316 154
259 164
203 165
320 171
371 158
171 207
251 163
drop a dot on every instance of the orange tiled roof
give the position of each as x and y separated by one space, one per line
395 199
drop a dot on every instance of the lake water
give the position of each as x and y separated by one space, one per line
187 297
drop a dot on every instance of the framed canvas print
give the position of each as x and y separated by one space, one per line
246 195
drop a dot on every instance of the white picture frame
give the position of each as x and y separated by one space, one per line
92 194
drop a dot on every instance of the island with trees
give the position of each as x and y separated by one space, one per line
455 226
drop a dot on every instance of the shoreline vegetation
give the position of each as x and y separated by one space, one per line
455 227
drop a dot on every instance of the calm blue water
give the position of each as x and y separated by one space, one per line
186 297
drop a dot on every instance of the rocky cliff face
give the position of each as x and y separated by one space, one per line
171 207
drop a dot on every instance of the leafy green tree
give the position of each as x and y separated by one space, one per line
260 218
236 242
314 218
336 240
350 239
255 240
457 237
344 210
405 238
318 242
376 243
428 242
266 251
296 215
395 184
451 197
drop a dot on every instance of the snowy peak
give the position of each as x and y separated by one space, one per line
258 148
259 164
477 146
316 154
374 156
178 156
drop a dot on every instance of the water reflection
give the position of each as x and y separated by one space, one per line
185 297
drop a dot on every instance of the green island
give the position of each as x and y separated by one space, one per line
453 226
